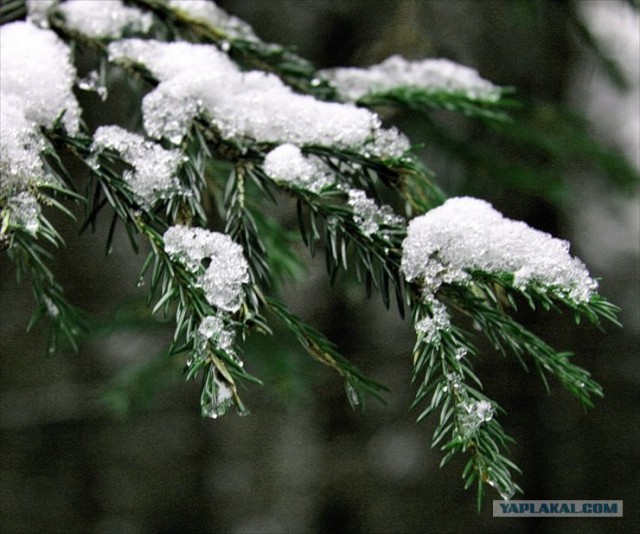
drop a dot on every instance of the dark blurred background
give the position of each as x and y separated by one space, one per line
85 446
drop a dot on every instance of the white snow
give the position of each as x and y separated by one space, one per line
472 414
169 60
433 75
253 105
24 212
227 270
38 11
432 326
104 19
465 234
207 11
37 78
286 163
20 164
154 174
213 329
369 216
36 69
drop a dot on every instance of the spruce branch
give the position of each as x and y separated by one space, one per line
357 385
67 322
22 241
509 337
376 258
11 10
424 101
175 286
250 53
223 180
466 424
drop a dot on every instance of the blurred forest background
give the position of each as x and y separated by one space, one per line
86 446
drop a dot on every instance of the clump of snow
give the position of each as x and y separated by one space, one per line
36 81
258 106
368 215
213 330
388 143
20 163
35 68
286 163
466 234
38 11
168 60
104 19
227 269
207 11
472 414
154 174
431 327
433 75
24 212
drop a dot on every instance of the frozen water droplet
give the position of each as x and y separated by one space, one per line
102 92
460 353
93 83
225 46
352 395
505 492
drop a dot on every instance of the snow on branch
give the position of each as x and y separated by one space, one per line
464 235
431 75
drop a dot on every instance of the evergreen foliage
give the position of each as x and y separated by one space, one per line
222 184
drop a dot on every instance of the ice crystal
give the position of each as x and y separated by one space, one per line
52 309
154 174
286 163
388 143
214 330
454 382
199 79
433 75
466 234
461 352
472 414
220 398
431 327
227 269
24 212
368 215
92 82
210 13
104 19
